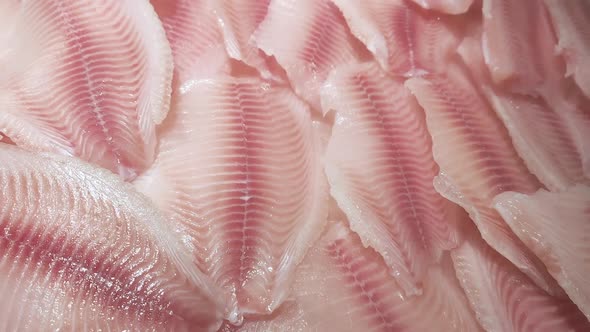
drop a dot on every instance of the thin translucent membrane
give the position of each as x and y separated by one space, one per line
89 79
239 176
81 250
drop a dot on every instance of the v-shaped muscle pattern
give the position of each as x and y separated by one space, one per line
556 226
381 170
239 173
89 79
477 161
506 300
81 250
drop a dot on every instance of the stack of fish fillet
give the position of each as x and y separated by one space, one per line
295 165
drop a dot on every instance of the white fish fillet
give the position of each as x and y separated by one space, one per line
319 40
82 251
89 79
571 22
541 132
239 175
405 40
506 300
477 161
556 226
380 167
195 39
343 286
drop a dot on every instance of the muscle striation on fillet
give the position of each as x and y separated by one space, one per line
89 79
81 250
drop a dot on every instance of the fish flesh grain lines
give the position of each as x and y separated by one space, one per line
295 165
251 197
78 244
380 168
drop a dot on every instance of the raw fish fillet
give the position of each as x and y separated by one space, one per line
446 6
571 22
238 20
405 40
380 167
89 79
556 226
541 134
477 161
82 251
519 45
240 177
195 39
506 300
319 40
343 286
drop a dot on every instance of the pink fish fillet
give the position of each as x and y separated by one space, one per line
380 167
82 251
239 175
89 79
195 39
238 20
556 226
343 286
541 134
571 21
405 40
506 300
477 161
519 46
319 40
446 6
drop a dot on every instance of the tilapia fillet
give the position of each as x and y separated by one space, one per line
505 299
251 196
380 167
81 250
343 286
89 79
556 226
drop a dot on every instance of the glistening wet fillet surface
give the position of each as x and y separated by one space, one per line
251 197
380 167
91 86
81 250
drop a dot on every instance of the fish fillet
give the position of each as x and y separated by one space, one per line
89 79
405 40
380 167
556 226
343 286
239 175
80 250
540 133
238 20
446 6
319 40
506 300
519 45
195 39
477 161
571 21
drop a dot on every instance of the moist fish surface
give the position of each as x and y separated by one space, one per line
81 250
92 86
239 176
